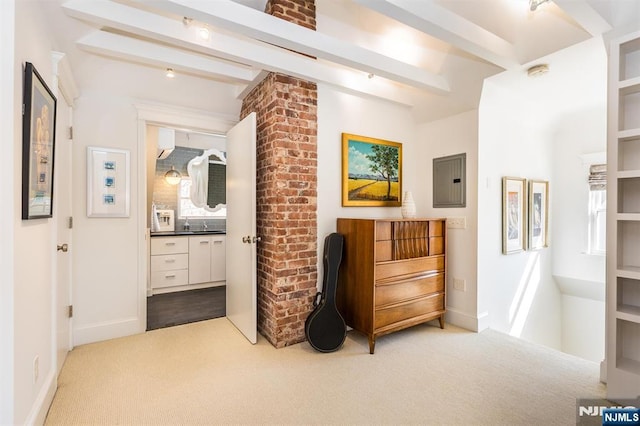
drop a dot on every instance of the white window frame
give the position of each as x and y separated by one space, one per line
597 236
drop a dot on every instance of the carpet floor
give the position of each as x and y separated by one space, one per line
207 373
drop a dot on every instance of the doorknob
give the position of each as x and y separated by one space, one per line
63 247
256 239
246 239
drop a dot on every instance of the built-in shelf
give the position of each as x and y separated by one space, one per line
628 87
628 313
629 134
629 365
623 227
632 272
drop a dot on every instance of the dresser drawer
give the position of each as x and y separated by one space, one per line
169 245
386 271
169 278
169 262
408 310
404 290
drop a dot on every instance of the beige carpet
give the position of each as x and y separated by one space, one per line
207 373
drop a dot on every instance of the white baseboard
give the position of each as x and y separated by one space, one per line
43 401
107 330
466 321
603 371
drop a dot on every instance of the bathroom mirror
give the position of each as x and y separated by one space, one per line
208 180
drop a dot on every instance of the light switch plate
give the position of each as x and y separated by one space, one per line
457 222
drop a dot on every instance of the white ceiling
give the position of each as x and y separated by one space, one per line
429 55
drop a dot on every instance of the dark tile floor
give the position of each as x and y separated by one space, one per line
166 310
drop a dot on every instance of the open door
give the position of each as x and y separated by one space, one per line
242 296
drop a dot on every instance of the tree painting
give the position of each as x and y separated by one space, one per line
384 161
371 172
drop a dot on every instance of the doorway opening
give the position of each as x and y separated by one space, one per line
187 226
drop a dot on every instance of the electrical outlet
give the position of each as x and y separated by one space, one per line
36 368
459 284
457 222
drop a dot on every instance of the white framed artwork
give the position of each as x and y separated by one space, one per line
108 177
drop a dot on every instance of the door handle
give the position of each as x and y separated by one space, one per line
256 239
246 239
63 247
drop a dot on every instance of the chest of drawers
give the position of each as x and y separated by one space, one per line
392 275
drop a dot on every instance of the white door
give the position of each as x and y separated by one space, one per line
62 214
241 257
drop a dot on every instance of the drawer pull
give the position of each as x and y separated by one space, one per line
170 276
204 242
169 244
217 242
170 260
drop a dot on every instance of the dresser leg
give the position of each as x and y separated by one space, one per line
441 319
372 344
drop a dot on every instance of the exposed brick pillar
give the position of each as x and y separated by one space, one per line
286 109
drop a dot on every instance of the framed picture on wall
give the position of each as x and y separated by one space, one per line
38 146
513 215
371 172
538 214
107 182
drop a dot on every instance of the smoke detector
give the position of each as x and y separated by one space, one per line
538 70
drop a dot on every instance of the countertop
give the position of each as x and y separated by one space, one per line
187 233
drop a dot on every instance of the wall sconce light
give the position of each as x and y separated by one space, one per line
534 4
173 177
170 73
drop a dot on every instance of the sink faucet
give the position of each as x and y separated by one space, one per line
204 225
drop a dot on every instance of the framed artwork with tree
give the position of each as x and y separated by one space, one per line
371 171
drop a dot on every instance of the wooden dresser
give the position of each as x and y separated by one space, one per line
392 275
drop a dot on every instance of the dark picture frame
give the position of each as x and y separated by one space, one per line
371 172
38 146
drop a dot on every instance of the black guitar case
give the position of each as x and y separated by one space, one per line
325 328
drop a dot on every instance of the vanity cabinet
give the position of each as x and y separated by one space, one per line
206 259
392 275
169 262
187 262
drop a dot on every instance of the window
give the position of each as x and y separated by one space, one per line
597 209
187 209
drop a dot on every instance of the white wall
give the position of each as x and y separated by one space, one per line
105 262
34 245
454 135
537 129
339 113
8 211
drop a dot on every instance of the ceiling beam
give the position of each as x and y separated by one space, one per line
131 49
249 22
585 15
439 22
249 52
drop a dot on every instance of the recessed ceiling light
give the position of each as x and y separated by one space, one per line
187 21
203 33
170 73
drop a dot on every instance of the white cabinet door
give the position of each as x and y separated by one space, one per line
199 259
218 270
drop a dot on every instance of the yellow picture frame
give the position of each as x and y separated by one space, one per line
371 172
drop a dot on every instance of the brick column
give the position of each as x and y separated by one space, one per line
286 109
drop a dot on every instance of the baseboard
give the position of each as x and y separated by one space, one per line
603 371
466 321
41 405
108 330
